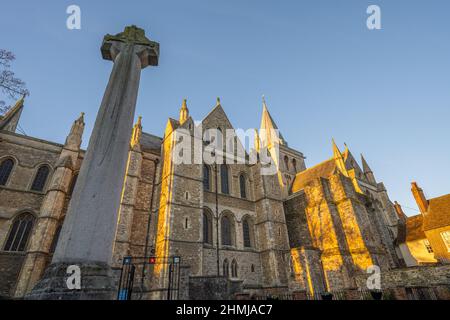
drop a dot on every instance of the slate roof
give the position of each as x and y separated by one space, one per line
322 170
151 142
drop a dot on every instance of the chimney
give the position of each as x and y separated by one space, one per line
418 194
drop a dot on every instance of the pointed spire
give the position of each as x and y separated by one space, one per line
346 152
137 133
81 118
218 102
10 120
269 130
339 159
365 166
257 141
184 112
73 140
367 171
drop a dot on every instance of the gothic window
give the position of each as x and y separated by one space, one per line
5 171
40 179
242 186
226 268
226 231
246 234
19 233
234 269
206 178
224 179
207 228
286 162
55 239
294 164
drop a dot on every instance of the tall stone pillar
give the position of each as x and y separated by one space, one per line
38 254
89 230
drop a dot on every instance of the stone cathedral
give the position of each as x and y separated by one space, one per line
309 230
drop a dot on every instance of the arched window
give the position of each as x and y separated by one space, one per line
246 234
286 162
40 179
206 178
19 233
55 239
294 164
234 269
226 268
207 228
242 186
224 179
5 171
226 231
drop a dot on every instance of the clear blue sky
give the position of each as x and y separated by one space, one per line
385 93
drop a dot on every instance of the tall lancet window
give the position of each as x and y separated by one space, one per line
206 178
224 179
242 186
19 233
226 231
40 179
5 171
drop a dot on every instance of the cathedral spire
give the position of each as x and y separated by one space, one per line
184 112
137 133
10 120
339 159
257 141
269 131
74 139
367 171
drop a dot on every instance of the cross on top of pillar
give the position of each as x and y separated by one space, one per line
147 50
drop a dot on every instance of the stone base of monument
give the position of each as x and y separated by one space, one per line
96 282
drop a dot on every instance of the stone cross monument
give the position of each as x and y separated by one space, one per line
89 229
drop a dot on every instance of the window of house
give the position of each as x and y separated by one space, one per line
19 233
40 179
5 171
428 246
446 238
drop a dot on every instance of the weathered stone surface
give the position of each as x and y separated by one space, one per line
96 283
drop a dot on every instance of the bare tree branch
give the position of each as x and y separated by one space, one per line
10 86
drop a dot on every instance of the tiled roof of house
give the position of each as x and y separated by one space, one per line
414 228
438 214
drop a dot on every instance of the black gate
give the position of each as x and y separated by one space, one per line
136 269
